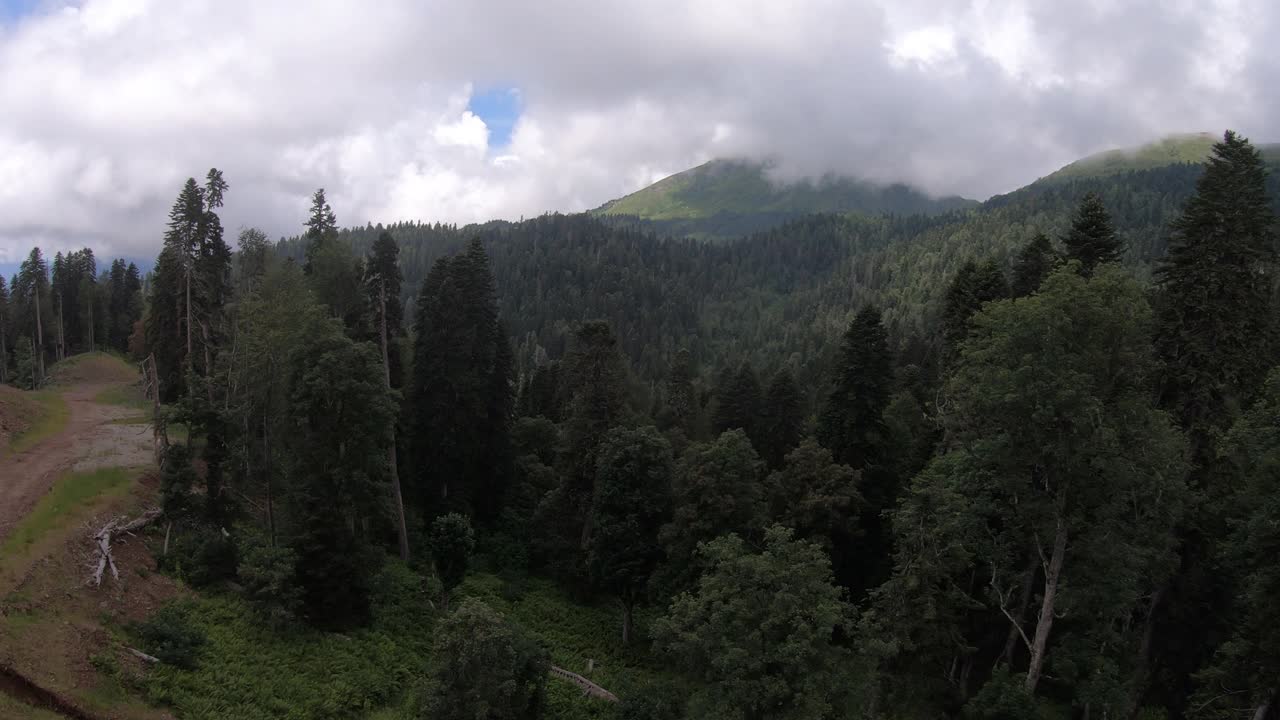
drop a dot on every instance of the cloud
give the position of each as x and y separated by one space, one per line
110 104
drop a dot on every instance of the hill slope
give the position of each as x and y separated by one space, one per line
1190 148
727 198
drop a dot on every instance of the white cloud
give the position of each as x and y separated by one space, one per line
108 105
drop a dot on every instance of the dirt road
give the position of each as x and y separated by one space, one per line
90 439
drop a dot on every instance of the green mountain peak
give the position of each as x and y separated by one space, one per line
731 197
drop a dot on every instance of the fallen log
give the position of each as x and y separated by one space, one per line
103 538
588 687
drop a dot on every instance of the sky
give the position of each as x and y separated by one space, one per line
470 110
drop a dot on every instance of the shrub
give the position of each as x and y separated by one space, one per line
202 556
170 636
270 583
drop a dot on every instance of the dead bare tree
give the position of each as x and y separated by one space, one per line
103 538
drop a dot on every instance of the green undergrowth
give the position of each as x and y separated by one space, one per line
14 708
51 420
244 670
247 671
71 498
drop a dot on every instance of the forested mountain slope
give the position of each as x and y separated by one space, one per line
775 295
726 199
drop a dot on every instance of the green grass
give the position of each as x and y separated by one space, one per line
129 396
1190 148
11 708
52 419
731 187
69 500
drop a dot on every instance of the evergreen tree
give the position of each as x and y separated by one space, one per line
682 401
632 503
322 228
738 404
1215 329
383 279
460 394
852 423
781 419
973 286
1032 265
33 310
339 408
595 377
1092 240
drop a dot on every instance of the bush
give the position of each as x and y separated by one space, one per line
651 701
170 637
269 579
202 556
1002 698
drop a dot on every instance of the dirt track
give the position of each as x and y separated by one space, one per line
89 440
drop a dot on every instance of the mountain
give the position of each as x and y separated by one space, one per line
1188 148
730 198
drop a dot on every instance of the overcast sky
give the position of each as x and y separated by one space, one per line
469 110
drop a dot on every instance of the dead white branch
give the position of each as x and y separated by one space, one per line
103 538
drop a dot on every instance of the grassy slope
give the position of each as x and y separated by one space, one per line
72 499
743 188
1172 150
51 419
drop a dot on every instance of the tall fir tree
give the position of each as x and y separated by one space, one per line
1092 239
460 393
1032 265
738 404
33 309
383 279
973 286
852 423
781 419
1215 330
322 228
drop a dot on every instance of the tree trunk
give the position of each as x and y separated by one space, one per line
401 530
188 312
61 351
4 356
1045 622
1143 660
266 469
39 341
627 608
1261 712
1028 581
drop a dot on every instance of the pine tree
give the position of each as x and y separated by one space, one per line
973 286
452 542
1215 331
383 279
1092 239
460 393
595 377
852 424
1033 264
322 228
33 309
682 402
738 404
781 419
